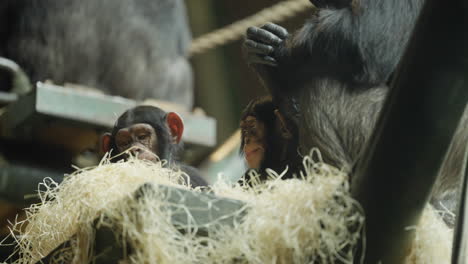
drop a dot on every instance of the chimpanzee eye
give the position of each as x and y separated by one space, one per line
142 136
123 145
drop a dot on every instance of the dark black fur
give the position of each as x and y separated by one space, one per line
168 151
359 44
135 49
279 152
330 78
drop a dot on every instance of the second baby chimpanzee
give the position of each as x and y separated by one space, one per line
150 133
267 141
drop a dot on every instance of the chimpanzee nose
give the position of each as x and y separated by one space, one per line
136 150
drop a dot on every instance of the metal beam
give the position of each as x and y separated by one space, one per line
89 109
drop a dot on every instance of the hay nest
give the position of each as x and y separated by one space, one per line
309 220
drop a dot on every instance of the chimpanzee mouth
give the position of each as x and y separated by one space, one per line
144 155
147 156
252 152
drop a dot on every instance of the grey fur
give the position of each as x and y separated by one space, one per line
339 122
136 49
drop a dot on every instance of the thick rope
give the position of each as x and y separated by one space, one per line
236 30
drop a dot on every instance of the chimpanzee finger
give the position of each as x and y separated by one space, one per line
257 47
279 31
263 36
261 59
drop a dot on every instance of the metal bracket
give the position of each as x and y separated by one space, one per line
50 103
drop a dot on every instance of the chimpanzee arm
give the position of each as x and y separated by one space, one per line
194 176
360 44
331 3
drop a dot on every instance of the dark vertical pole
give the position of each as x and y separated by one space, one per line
460 236
394 179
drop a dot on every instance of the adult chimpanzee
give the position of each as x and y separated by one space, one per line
267 141
150 133
135 49
336 66
330 77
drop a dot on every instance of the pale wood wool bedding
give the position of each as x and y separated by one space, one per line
433 240
291 221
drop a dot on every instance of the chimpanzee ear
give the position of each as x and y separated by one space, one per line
106 142
176 126
283 127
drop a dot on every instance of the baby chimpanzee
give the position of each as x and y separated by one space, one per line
268 140
150 133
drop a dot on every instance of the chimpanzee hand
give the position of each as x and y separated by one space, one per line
261 44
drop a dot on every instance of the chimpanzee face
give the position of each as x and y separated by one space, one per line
140 138
253 133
